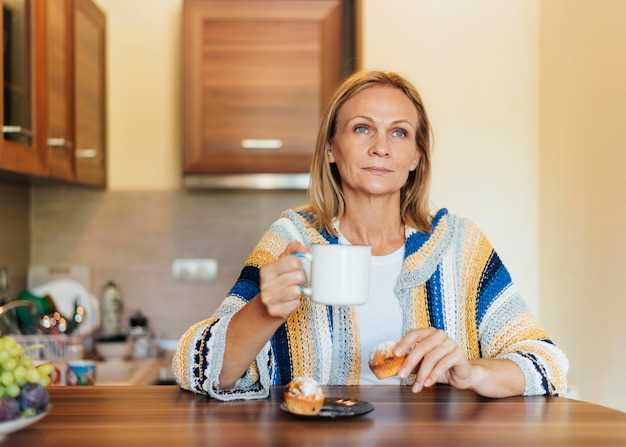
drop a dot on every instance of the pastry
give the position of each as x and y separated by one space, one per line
383 362
304 396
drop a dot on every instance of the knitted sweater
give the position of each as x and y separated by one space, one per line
451 279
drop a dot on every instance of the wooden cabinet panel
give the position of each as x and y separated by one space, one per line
22 25
257 73
59 90
89 102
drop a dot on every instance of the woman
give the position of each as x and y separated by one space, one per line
437 286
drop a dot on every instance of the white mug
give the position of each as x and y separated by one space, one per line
337 274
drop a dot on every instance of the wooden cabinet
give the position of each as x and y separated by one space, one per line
89 94
257 75
56 127
23 38
59 126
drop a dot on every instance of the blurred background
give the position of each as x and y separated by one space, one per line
526 99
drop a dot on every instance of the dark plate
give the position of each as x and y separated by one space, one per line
336 408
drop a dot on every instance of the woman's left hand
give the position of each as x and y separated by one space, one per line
434 357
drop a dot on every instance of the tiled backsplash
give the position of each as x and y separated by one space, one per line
14 233
133 237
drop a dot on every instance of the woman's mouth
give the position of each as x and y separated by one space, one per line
377 171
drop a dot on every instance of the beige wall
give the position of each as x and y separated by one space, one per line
144 84
583 136
475 62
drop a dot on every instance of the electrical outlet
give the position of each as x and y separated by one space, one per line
194 269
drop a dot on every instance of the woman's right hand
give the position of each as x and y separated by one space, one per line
281 281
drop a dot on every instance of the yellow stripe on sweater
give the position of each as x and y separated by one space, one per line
179 362
478 265
415 260
422 317
299 333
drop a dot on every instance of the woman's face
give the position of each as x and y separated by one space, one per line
374 144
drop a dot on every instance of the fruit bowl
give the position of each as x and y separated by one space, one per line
20 423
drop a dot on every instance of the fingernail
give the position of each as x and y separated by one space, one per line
402 374
428 382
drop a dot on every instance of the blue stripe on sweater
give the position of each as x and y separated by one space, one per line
415 241
247 286
280 348
434 299
494 279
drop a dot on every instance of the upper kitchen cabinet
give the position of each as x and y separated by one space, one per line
59 122
257 75
89 93
23 40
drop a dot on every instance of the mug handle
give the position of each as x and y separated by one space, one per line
305 259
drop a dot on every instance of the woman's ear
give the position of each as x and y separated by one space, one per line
329 151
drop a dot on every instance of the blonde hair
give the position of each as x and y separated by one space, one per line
325 190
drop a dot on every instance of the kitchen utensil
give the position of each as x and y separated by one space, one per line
67 292
336 408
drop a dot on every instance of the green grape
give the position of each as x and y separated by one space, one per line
2 391
10 364
26 361
13 390
16 350
19 372
4 355
46 369
7 379
44 381
32 376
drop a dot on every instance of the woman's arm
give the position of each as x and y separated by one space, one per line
436 358
248 331
257 321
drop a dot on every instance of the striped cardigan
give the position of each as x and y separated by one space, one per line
451 279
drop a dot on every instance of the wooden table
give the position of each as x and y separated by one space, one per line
442 416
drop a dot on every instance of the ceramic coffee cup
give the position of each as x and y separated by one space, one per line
337 274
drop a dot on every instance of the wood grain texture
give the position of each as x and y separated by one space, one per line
59 88
257 70
90 88
442 416
16 157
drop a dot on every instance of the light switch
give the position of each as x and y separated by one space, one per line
194 269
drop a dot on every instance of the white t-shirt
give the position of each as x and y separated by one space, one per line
380 319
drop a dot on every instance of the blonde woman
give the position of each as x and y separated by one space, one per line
437 286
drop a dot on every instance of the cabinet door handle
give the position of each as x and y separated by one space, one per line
16 130
261 143
61 143
87 153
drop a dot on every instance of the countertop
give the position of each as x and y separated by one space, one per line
440 416
133 372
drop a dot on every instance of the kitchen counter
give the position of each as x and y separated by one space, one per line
439 416
133 372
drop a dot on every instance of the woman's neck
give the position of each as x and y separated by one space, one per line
373 220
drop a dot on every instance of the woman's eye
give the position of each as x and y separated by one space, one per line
399 133
361 129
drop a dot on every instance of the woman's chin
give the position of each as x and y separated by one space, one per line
380 188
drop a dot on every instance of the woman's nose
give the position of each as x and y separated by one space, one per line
380 146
